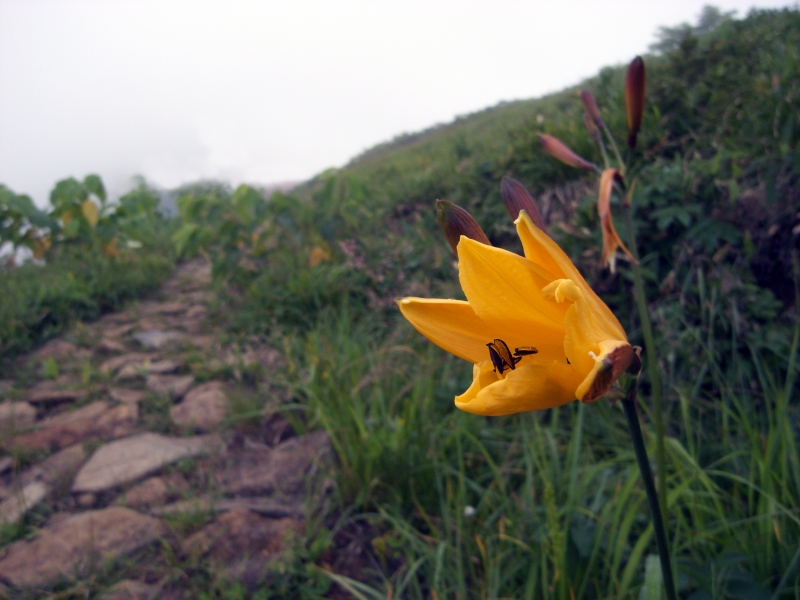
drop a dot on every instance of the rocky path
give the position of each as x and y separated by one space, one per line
131 446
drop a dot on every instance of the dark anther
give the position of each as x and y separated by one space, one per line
503 359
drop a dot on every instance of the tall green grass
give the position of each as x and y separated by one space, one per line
548 504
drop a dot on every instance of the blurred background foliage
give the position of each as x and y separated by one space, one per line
548 505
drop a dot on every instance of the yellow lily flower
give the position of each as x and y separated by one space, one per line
536 333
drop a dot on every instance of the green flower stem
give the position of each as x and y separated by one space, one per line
652 362
613 143
629 404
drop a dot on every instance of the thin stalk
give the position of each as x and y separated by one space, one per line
652 361
613 143
629 405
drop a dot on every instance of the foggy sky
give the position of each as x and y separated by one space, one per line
266 92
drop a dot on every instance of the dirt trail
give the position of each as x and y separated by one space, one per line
131 441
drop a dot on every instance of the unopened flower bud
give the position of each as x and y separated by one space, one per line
559 150
591 127
516 198
591 108
455 222
634 98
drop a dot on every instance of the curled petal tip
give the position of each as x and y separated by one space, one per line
516 197
558 149
455 222
634 97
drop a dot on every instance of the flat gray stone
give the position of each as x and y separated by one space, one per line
283 468
163 308
154 491
126 396
173 385
70 546
127 460
203 408
266 506
128 589
110 345
22 501
91 422
116 363
52 392
159 367
16 415
56 348
155 339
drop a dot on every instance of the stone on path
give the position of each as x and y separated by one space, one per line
154 491
57 467
127 460
282 468
163 308
5 464
16 415
116 363
129 589
203 407
274 508
118 331
22 501
72 545
52 392
159 367
91 422
155 339
174 385
126 396
242 543
56 348
110 345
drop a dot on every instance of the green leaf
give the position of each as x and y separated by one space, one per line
653 587
94 184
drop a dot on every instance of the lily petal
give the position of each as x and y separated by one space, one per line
450 324
542 250
528 387
505 291
590 338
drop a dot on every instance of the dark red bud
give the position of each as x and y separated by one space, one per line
591 108
591 127
561 151
516 198
455 222
634 98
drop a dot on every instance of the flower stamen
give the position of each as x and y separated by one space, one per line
502 357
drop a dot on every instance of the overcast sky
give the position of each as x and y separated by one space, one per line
267 92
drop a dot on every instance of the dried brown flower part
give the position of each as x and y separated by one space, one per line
455 222
634 98
516 198
611 239
558 149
